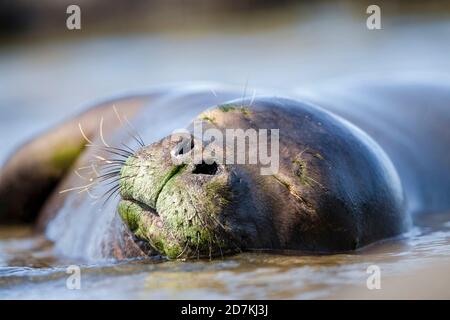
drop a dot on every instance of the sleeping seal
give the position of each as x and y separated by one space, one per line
349 166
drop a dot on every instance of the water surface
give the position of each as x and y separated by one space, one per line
30 270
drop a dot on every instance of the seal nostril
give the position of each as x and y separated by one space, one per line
186 147
204 168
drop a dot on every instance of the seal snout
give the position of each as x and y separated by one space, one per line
177 205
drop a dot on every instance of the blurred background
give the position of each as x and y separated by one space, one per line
47 72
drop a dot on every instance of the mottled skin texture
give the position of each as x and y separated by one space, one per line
336 189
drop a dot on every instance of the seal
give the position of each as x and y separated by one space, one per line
354 163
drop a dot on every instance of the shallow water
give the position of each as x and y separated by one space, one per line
43 83
29 269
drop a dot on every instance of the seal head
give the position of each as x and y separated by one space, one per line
333 188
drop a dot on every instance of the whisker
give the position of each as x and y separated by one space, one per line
94 197
95 170
101 133
117 114
104 170
119 179
110 190
184 249
116 186
127 152
102 159
210 248
137 137
83 190
225 231
84 168
109 161
140 141
244 93
220 247
111 166
117 154
253 98
83 134
303 151
198 242
113 194
76 188
108 176
318 183
120 153
79 175
107 171
129 149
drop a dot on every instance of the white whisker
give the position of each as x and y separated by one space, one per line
117 114
244 93
136 133
77 188
83 134
84 168
303 151
79 175
95 170
102 159
101 133
253 98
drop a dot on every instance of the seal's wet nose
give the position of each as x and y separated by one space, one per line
184 153
183 148
178 198
205 168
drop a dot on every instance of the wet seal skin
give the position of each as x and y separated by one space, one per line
335 190
341 182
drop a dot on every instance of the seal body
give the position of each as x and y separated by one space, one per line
355 162
409 119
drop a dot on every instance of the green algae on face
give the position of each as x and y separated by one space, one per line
300 170
208 118
304 174
147 227
143 179
191 213
318 156
130 213
294 192
245 111
173 215
233 107
227 107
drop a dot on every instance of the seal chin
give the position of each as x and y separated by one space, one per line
181 209
141 219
